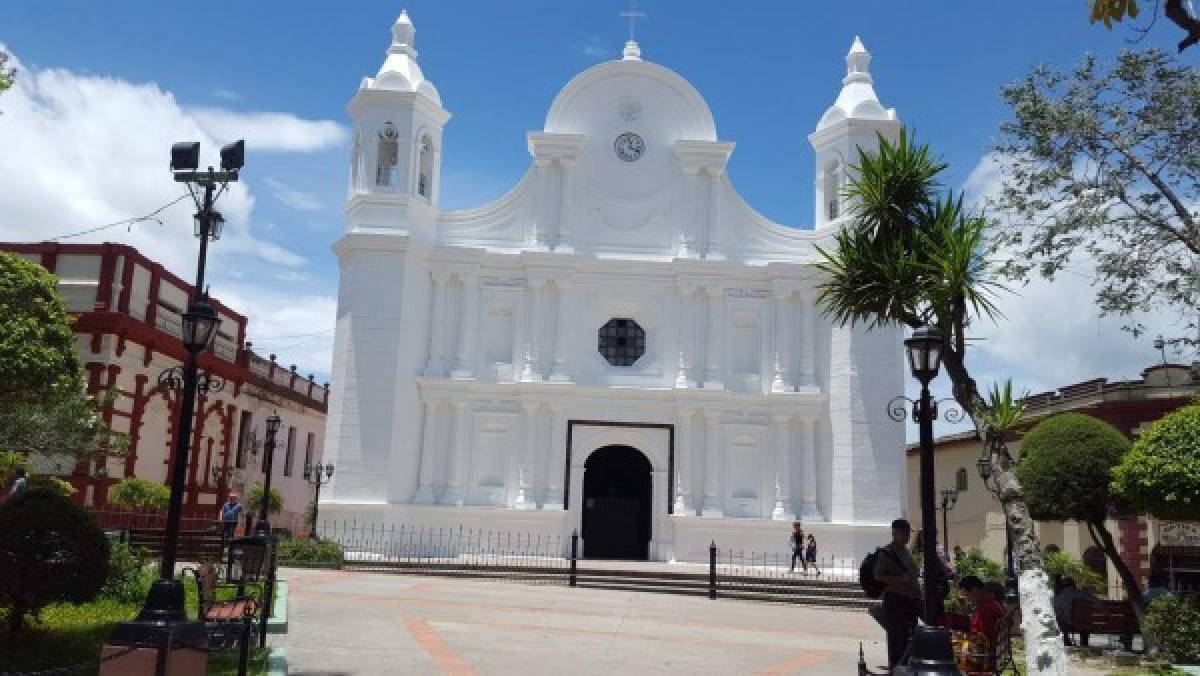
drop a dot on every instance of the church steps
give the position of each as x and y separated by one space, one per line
805 591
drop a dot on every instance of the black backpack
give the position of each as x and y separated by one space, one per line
866 575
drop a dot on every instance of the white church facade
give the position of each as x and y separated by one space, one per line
620 345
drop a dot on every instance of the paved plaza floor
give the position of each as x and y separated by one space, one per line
376 623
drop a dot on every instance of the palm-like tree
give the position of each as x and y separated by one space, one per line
913 257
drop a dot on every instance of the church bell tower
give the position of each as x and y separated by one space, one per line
852 122
396 162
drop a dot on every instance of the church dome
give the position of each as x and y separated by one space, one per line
857 100
400 71
627 92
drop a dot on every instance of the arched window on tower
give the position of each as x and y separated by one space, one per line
389 154
833 190
425 168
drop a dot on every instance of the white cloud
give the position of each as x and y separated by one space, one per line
596 48
86 150
1051 333
282 132
296 199
225 94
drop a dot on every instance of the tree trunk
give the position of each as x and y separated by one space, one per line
1044 653
1104 540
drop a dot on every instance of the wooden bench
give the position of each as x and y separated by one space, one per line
194 545
1104 617
226 618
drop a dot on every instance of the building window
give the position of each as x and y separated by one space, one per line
425 169
622 342
960 480
308 449
245 432
833 190
291 452
388 157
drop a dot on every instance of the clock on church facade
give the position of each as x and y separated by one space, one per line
621 311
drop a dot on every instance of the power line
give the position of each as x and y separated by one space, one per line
152 216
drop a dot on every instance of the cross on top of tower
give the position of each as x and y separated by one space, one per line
633 15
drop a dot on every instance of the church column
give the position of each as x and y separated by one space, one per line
716 323
525 454
808 469
780 382
429 441
808 341
692 240
437 321
714 211
558 457
533 331
683 373
541 224
563 236
780 427
684 504
455 494
468 318
562 328
713 506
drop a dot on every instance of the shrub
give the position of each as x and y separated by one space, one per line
309 551
254 499
50 550
1173 624
128 577
1061 564
975 563
1161 473
10 461
1066 467
135 493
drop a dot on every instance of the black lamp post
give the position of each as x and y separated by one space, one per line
924 351
949 499
263 527
162 621
317 475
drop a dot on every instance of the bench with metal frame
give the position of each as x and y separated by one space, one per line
1104 617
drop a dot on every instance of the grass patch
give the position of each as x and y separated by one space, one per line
71 635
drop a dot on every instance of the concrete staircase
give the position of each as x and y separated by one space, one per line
657 578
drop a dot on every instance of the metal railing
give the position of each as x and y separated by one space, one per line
556 559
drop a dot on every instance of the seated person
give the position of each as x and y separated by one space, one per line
988 610
1063 600
1157 588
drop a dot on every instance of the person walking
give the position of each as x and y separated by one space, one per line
810 553
231 511
896 569
797 543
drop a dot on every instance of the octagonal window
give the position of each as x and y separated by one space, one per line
621 341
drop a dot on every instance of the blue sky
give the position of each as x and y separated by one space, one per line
767 68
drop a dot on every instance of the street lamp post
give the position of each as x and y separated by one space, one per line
924 350
263 527
949 499
163 619
317 475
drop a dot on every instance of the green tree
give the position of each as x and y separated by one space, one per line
7 73
1062 564
50 550
254 499
1066 467
1109 12
914 257
1161 473
43 405
1104 164
135 493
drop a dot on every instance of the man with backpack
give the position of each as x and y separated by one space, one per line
891 573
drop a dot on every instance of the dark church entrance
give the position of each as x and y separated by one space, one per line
616 504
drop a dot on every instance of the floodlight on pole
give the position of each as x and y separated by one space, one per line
233 156
185 156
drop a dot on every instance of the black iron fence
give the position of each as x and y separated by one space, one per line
554 559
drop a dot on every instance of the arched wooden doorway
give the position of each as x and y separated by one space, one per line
617 494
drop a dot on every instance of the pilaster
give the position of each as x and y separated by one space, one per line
468 319
716 324
559 373
713 503
455 494
437 322
808 469
780 433
429 442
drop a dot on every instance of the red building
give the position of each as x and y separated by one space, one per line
128 324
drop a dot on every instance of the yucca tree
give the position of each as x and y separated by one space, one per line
913 255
